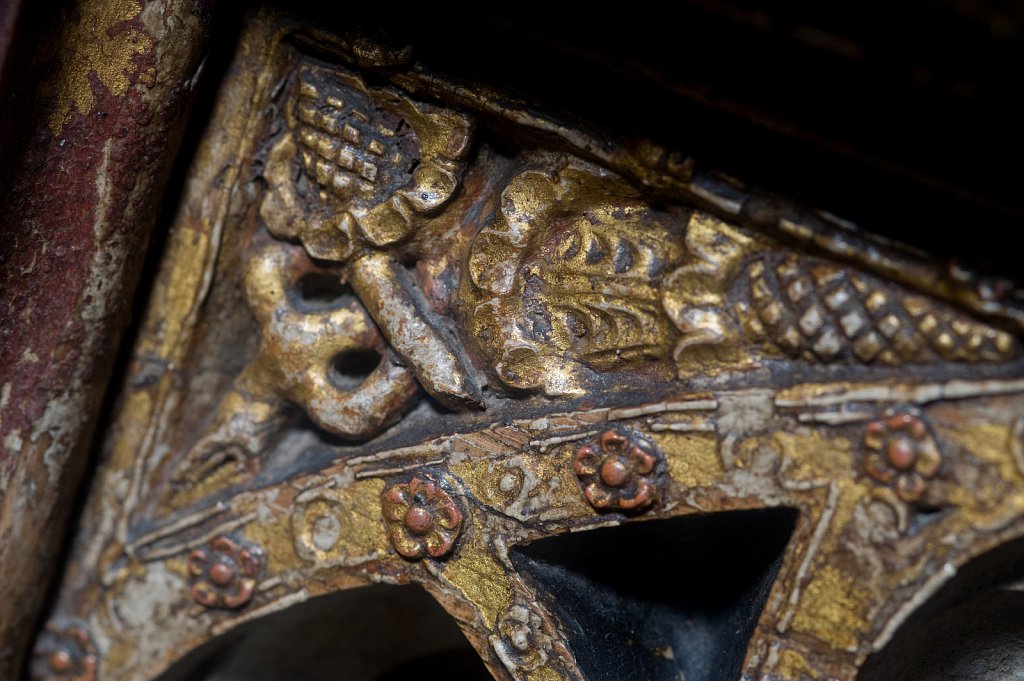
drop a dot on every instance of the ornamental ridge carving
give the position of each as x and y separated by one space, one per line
735 294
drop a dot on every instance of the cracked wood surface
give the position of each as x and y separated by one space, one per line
93 141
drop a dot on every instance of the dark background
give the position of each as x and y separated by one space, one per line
904 117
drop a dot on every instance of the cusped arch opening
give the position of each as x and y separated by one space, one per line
373 633
972 629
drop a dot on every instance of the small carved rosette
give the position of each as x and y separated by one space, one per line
422 518
521 641
619 471
65 653
224 573
901 452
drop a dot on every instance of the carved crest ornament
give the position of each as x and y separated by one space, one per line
405 334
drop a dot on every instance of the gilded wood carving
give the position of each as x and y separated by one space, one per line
406 329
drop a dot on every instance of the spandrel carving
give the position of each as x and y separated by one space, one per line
373 166
467 330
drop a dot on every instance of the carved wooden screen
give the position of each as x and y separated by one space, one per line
620 416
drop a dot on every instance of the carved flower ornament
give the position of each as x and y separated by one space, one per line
520 639
901 451
224 573
64 653
422 518
618 471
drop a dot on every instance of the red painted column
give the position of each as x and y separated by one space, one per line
96 103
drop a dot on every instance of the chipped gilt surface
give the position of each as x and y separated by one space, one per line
551 351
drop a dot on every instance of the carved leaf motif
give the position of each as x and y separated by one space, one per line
565 279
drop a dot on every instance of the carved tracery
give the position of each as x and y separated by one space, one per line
556 339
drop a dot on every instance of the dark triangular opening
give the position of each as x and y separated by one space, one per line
661 600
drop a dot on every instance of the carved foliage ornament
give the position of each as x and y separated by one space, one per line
574 277
565 279
353 176
373 162
734 292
